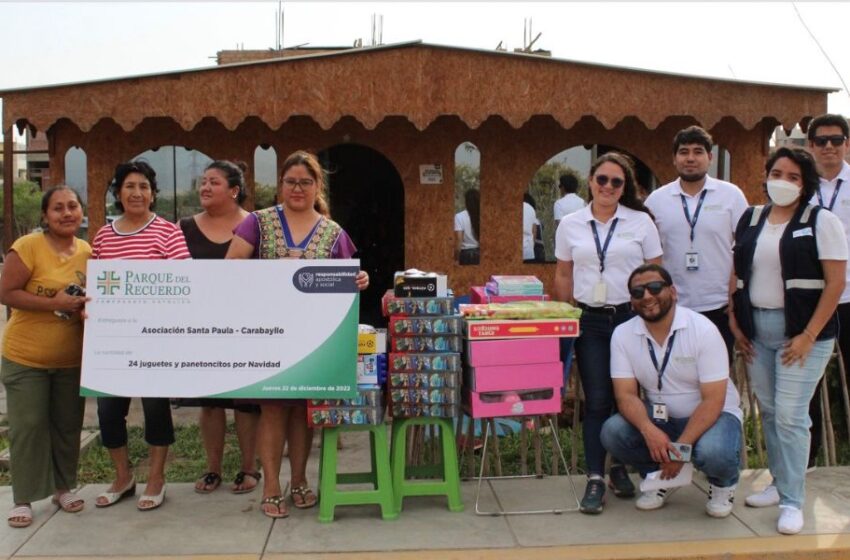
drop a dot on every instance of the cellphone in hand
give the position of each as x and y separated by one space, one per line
684 450
71 290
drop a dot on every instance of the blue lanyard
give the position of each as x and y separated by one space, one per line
693 222
834 195
666 357
601 250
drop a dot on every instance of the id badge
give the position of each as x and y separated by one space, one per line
659 412
600 291
692 260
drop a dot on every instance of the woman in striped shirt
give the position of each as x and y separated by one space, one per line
137 234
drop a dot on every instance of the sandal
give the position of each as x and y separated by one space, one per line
307 498
20 516
208 483
238 482
280 505
69 502
112 498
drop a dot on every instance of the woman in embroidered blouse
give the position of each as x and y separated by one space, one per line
298 228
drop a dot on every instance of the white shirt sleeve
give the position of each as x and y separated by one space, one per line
831 239
621 367
458 222
712 361
563 247
558 210
651 243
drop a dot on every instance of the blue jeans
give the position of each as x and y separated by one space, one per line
784 393
593 355
717 452
567 359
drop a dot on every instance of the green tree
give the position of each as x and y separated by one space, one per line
264 195
543 187
27 206
466 177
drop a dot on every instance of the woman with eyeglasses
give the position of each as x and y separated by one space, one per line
298 228
138 234
790 259
597 248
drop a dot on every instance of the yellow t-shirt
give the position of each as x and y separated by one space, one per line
40 338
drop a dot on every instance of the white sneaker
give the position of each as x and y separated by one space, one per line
790 520
653 499
766 498
720 500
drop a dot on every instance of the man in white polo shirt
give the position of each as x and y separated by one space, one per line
829 143
696 217
677 357
570 201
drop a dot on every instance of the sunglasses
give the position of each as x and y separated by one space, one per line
653 287
616 182
836 140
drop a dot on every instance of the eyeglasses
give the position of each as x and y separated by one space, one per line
303 183
654 288
836 140
603 180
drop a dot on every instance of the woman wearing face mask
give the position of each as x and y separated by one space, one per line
790 259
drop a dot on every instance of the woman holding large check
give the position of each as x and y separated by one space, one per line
298 228
137 234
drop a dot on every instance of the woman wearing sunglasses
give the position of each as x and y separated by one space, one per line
597 248
790 259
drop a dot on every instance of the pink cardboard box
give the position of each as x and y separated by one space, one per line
505 352
514 377
479 295
513 403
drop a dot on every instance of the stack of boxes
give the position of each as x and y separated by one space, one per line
368 406
424 361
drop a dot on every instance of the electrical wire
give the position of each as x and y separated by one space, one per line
822 50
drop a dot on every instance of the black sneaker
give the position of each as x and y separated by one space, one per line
620 483
594 496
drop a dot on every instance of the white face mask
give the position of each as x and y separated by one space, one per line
782 193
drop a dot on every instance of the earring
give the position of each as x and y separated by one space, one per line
235 196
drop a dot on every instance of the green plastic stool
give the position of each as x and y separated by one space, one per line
448 477
330 496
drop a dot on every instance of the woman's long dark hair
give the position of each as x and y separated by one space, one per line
472 199
624 162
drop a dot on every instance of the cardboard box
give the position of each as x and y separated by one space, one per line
424 396
445 379
337 416
425 285
515 328
371 369
514 377
513 403
512 351
423 363
517 285
398 410
372 343
478 294
413 326
427 343
416 306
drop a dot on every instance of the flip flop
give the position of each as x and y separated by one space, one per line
240 480
69 502
210 481
20 516
308 497
278 502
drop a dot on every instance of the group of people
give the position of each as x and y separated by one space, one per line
669 286
42 344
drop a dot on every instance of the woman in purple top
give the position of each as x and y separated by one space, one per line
299 228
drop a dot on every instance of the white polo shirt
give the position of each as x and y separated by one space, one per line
529 218
698 356
707 288
567 204
464 223
841 208
635 241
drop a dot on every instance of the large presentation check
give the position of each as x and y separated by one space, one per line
221 329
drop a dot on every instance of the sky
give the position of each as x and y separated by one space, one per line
60 42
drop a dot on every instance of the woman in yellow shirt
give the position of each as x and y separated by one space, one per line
42 349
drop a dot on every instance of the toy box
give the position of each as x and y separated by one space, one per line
512 351
371 397
514 377
319 417
418 363
515 286
416 306
372 343
450 379
433 410
518 328
427 343
478 294
420 284
371 369
513 403
412 326
424 396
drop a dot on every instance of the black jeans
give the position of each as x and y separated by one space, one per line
112 417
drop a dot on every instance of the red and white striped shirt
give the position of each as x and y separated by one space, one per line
158 239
